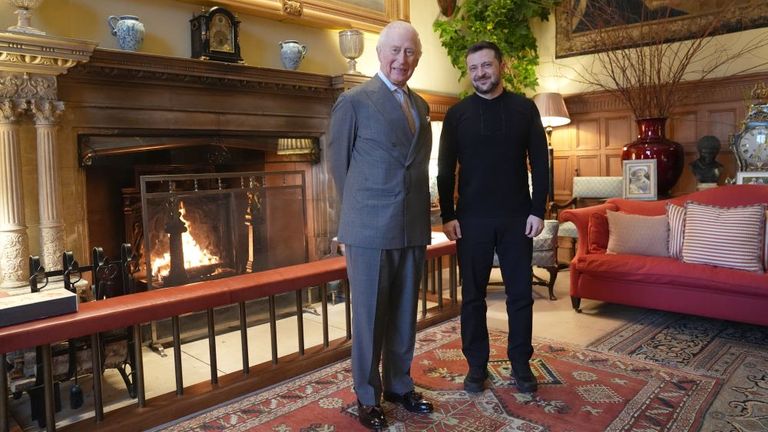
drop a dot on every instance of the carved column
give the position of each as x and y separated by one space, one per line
46 113
29 65
14 241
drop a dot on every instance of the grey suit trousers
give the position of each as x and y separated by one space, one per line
384 287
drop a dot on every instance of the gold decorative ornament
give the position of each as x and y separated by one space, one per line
293 7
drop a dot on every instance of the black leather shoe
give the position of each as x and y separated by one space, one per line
474 382
524 379
412 401
371 416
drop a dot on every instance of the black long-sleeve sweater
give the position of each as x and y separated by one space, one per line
492 140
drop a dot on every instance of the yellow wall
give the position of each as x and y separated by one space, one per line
167 25
167 33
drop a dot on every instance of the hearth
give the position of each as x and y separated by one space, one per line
195 207
206 226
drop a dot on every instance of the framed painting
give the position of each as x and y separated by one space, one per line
576 19
369 15
752 177
640 179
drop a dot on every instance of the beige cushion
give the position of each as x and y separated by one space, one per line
676 217
637 235
725 236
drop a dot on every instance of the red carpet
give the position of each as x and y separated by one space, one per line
579 390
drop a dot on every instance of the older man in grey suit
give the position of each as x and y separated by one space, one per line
379 146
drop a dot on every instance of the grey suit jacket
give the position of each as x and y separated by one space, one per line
380 169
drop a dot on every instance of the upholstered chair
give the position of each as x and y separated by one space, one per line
544 256
586 191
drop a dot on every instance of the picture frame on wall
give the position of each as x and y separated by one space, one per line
368 15
752 177
640 179
686 19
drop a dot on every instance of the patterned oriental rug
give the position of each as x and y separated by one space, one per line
734 354
580 390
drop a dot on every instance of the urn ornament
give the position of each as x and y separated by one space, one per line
128 30
351 44
292 53
24 10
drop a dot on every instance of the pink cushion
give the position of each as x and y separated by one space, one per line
731 237
637 235
598 233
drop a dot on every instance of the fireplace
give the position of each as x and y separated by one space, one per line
207 226
123 115
195 207
133 115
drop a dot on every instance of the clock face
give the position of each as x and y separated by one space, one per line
753 147
222 37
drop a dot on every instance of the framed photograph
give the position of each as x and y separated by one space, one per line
640 179
369 15
752 177
686 17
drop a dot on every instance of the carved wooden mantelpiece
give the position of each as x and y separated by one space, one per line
141 68
123 102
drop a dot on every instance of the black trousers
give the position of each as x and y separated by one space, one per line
480 238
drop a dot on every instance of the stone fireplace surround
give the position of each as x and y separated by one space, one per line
117 94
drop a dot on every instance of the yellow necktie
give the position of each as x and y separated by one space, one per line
405 104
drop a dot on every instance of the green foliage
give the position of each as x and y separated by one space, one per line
503 22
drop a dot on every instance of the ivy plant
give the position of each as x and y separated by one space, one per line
503 22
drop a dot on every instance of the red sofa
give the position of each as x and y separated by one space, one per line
667 283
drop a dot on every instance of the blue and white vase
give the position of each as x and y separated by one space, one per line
292 53
128 30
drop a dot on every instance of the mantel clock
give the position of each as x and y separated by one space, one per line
215 36
750 144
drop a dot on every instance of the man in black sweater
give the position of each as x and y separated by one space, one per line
493 135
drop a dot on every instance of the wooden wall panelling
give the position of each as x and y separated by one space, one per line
619 131
601 126
684 127
721 123
588 137
563 139
612 164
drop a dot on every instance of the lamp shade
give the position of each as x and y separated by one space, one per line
552 109
287 146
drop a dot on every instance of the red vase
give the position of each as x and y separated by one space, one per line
651 143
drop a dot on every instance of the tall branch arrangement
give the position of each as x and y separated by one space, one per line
646 74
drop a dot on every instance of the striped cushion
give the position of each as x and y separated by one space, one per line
676 216
727 237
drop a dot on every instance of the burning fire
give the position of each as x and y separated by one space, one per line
194 255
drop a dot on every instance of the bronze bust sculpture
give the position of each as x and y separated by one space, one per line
706 168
